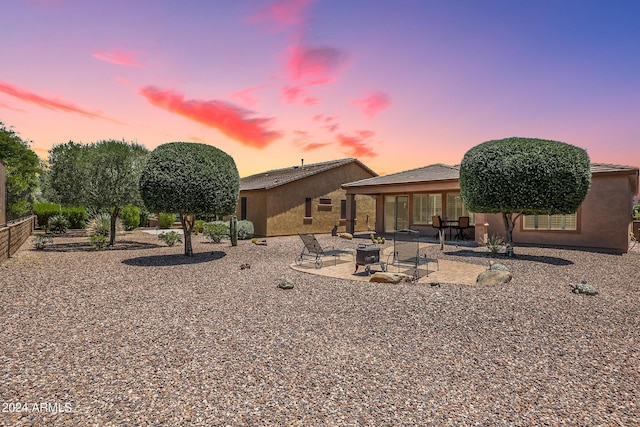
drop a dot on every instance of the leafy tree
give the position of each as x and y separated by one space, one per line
102 175
67 178
516 176
190 179
22 169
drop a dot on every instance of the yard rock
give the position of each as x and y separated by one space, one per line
347 236
381 277
493 277
285 284
497 266
583 288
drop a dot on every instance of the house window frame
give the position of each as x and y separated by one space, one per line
308 207
429 212
552 230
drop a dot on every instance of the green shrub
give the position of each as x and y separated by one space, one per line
100 225
58 224
245 229
145 215
130 216
166 220
77 216
98 241
44 211
42 240
170 237
216 230
197 226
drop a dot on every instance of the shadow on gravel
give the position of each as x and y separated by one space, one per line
174 259
533 258
121 245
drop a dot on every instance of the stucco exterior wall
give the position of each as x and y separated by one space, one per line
603 219
256 210
280 211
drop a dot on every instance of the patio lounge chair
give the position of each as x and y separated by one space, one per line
436 222
406 252
463 224
313 251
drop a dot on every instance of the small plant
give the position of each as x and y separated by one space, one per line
100 224
216 231
58 224
254 240
130 216
98 241
245 229
42 240
166 220
170 237
495 244
197 226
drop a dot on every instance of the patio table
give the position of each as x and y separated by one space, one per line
450 224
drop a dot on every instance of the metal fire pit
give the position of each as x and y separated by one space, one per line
368 255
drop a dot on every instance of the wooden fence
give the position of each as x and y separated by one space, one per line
13 236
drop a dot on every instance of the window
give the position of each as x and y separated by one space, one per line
307 207
325 201
456 208
243 208
343 209
550 222
425 206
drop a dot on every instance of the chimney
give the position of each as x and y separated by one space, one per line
302 163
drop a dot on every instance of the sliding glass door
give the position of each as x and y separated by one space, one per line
396 213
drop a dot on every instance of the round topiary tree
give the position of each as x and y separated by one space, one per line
190 179
529 176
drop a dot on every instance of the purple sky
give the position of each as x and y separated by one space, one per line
397 84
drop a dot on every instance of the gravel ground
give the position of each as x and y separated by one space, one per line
139 335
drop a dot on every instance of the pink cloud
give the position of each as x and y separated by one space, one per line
356 145
9 107
118 57
291 94
314 65
310 100
373 103
282 14
123 80
247 96
226 118
314 146
50 103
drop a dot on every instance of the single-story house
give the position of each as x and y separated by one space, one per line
306 198
3 195
409 199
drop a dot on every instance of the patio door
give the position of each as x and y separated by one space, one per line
396 213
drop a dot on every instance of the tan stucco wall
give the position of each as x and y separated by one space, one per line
603 219
256 210
281 209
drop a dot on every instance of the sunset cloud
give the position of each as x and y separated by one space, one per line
314 146
282 14
50 103
314 65
9 107
247 96
118 57
357 145
230 120
372 104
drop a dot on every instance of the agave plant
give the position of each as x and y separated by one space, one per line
100 224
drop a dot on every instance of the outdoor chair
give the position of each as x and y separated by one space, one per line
463 224
406 253
313 251
436 222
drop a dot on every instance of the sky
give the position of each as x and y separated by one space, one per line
398 84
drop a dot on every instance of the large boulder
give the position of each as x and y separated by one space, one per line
493 277
384 277
583 288
347 236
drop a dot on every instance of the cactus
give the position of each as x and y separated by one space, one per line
233 230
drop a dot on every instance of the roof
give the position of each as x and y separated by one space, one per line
437 172
606 167
442 172
276 177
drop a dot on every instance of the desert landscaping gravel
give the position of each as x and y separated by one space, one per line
140 335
